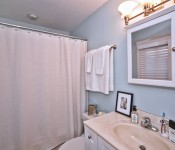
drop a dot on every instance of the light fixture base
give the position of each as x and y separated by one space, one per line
126 20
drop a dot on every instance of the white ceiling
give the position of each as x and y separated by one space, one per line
62 15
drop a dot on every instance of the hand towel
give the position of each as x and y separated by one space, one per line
111 70
88 61
99 57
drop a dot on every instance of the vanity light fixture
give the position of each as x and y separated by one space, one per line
148 6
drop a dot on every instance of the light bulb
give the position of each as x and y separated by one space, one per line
127 7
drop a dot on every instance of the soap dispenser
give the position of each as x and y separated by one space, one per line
134 115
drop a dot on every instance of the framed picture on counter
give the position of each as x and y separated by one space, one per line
124 103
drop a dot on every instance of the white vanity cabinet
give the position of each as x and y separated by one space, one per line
151 52
92 137
97 141
103 145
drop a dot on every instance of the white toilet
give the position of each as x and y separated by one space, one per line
79 143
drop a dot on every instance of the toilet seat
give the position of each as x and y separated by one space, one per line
80 143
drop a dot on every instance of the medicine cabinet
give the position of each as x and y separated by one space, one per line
151 52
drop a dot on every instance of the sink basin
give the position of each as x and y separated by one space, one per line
134 137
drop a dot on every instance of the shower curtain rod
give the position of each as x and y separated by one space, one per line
41 31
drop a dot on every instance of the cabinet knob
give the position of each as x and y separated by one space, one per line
173 49
89 137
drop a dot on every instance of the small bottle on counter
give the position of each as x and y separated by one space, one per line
134 115
172 131
164 123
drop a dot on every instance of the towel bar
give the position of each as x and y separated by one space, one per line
114 47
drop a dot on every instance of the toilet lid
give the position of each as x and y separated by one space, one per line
79 143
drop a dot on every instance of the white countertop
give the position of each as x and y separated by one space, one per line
104 125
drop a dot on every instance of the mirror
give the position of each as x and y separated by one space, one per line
150 56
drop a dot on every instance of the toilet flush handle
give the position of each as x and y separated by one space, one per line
89 137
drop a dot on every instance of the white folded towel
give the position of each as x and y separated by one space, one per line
99 57
88 61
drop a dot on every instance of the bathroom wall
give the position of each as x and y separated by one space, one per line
106 27
4 20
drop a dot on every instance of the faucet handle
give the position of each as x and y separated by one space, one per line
146 121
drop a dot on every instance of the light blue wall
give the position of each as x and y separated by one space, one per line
106 27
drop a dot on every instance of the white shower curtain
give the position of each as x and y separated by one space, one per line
42 91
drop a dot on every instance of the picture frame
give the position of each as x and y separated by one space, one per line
124 103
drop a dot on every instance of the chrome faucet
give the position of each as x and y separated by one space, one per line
146 122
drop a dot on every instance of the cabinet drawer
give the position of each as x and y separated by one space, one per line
91 136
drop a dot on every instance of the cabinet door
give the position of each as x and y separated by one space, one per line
157 65
103 145
91 136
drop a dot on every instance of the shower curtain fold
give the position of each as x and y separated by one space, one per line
42 89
